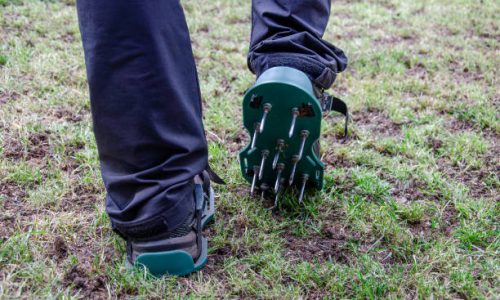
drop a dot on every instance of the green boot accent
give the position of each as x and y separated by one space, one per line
175 262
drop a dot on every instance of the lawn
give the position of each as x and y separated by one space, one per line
410 207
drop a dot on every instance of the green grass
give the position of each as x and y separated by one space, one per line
410 206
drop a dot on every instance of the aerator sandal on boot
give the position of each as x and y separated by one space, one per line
282 113
184 250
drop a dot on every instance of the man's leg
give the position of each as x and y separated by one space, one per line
289 33
146 111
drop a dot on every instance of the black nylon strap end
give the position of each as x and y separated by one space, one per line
332 103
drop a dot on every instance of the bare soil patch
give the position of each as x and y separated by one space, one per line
237 142
14 210
6 97
332 159
329 245
449 220
418 70
68 115
457 126
434 143
474 179
38 147
81 198
408 191
377 122
87 285
60 249
462 74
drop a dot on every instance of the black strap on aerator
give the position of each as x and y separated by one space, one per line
332 103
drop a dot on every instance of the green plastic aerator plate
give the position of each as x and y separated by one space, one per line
282 116
180 262
176 262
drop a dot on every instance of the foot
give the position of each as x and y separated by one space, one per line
183 250
282 113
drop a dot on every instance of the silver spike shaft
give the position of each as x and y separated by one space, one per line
254 179
305 177
265 154
278 191
279 169
303 134
255 134
267 109
295 114
295 160
279 147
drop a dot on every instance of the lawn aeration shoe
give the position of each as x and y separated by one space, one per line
282 112
183 250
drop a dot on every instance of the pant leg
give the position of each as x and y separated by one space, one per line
146 110
289 33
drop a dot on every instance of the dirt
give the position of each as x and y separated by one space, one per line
329 245
332 159
377 122
38 147
408 191
60 249
86 277
235 143
474 179
13 149
455 125
418 70
88 286
235 227
462 74
449 220
387 40
6 97
434 144
68 115
14 210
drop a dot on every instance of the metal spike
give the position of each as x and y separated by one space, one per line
254 180
304 134
295 114
279 145
305 177
255 133
280 168
295 160
265 154
276 197
267 109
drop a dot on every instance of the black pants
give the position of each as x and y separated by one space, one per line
146 103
